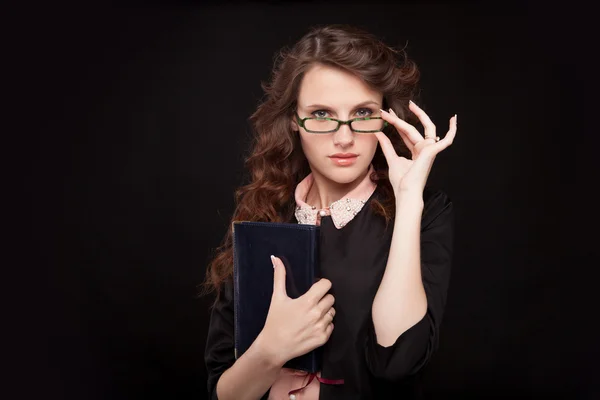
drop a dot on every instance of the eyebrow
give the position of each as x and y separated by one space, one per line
364 103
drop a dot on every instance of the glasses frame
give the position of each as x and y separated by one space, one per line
340 123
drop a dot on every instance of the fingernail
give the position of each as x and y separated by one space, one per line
273 261
456 118
382 110
412 102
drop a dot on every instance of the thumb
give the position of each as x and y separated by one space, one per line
386 146
279 277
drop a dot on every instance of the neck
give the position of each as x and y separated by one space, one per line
324 191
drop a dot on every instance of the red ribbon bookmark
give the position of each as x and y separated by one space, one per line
322 380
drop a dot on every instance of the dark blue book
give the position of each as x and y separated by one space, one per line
297 246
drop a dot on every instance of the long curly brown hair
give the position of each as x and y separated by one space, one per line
276 162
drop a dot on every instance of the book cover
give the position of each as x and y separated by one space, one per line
297 245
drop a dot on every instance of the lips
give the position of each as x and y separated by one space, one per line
344 155
343 159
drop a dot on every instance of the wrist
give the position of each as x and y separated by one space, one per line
266 353
409 198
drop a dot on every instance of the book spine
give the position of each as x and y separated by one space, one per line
236 288
316 273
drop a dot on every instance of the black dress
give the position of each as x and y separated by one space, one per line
354 260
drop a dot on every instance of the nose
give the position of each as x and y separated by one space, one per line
344 137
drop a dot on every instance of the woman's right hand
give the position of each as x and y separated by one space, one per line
296 326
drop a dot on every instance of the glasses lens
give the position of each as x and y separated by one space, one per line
320 125
368 125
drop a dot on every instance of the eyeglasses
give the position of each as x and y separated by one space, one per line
328 125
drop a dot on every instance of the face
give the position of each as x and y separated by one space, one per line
330 92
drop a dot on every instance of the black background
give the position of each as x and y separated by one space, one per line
135 129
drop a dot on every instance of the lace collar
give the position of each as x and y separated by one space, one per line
341 211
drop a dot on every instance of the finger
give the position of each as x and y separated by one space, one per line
411 132
404 137
318 290
278 277
326 303
451 134
424 118
329 329
330 314
449 138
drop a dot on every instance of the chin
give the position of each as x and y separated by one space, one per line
345 175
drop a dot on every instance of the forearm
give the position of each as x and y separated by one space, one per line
250 376
400 301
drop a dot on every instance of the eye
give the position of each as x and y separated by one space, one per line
320 113
364 112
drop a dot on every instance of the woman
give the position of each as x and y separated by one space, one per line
336 146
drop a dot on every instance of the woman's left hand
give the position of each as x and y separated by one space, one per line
411 175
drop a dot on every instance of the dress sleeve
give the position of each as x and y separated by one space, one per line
219 352
414 348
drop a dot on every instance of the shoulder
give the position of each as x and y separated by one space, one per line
433 195
436 202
